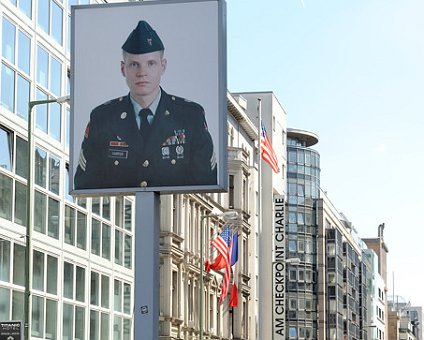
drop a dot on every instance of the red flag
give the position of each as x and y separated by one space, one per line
234 296
218 264
222 243
267 151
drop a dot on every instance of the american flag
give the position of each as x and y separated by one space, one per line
267 151
222 243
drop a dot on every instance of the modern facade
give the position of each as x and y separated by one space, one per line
327 295
343 286
303 183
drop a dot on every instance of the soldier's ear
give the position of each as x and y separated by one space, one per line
164 63
123 68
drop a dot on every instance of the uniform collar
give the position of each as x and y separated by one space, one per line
153 106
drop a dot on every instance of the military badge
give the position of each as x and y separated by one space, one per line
165 152
118 153
118 143
178 138
180 151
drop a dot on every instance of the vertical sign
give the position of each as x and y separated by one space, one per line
279 270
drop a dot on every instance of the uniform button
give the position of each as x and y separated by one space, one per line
173 161
116 163
146 163
143 184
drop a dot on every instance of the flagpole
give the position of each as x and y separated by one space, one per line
260 270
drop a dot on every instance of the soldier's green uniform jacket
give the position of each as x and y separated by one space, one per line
178 150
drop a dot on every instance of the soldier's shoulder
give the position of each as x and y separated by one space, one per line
185 103
109 108
119 101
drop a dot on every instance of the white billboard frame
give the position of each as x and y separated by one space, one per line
194 35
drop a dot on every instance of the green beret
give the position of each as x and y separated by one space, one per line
143 39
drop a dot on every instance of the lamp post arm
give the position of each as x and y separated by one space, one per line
29 203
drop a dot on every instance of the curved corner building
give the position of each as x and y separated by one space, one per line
303 181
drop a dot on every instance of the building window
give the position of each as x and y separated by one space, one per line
121 328
8 297
100 239
24 5
49 80
106 241
6 197
15 68
95 236
122 297
99 325
175 295
245 195
48 117
73 326
123 239
20 203
75 228
40 162
18 264
231 192
21 168
50 19
100 290
293 333
49 71
44 310
46 214
8 97
4 261
6 149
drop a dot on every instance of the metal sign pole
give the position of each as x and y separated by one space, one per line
146 288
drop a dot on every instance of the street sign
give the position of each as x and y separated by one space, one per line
10 330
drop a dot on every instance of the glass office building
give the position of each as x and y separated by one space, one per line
303 181
327 297
82 250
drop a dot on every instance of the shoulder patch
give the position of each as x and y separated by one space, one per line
112 101
185 101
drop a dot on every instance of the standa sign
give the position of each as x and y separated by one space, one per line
10 330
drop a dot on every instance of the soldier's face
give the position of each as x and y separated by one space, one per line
143 73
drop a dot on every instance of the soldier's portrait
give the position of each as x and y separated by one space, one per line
147 135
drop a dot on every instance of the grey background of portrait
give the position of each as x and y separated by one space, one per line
189 33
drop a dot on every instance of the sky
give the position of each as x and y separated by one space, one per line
352 72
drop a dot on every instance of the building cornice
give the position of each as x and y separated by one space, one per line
235 109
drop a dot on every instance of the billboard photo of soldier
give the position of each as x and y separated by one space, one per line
145 138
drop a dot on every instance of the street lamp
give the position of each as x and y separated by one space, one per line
226 216
29 196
